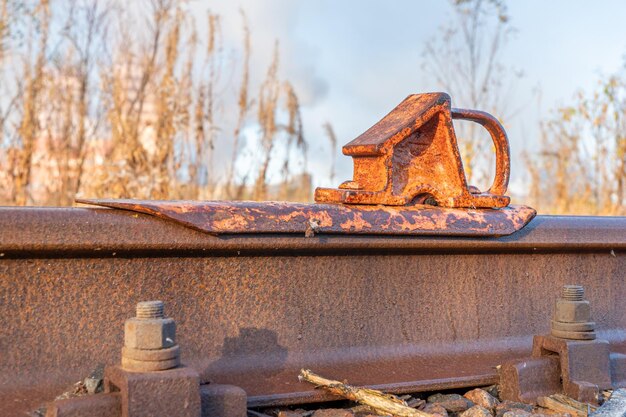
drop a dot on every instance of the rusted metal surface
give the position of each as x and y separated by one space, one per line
172 392
102 405
398 313
528 379
586 365
144 385
223 401
412 155
229 217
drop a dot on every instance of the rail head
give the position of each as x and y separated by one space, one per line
86 232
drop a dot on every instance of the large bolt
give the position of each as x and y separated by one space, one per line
150 340
572 315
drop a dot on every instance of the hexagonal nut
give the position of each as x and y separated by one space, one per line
572 311
149 333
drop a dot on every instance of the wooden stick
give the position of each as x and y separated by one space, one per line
573 403
563 404
379 401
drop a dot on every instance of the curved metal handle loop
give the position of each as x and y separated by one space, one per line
500 141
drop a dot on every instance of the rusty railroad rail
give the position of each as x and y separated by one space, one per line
401 313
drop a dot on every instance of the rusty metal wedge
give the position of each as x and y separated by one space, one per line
225 217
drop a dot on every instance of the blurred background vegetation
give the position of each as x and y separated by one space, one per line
106 99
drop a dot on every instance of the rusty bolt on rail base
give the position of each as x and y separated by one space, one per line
150 340
572 315
570 359
151 381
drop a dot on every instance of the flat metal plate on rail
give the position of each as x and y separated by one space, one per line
233 217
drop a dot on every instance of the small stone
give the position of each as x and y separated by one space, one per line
517 413
362 411
453 403
415 402
493 390
333 412
476 411
545 412
482 398
94 382
435 409
506 406
549 414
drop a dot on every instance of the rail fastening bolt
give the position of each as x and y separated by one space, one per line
572 315
150 340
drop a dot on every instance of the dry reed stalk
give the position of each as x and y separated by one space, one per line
332 139
135 114
266 115
94 14
4 27
29 126
380 402
243 104
166 113
295 138
581 164
191 122
214 55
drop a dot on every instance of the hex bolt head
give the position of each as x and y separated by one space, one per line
572 311
149 334
572 315
150 339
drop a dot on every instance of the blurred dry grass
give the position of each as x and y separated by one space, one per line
100 107
116 100
580 164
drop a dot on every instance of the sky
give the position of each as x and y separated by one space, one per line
352 61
